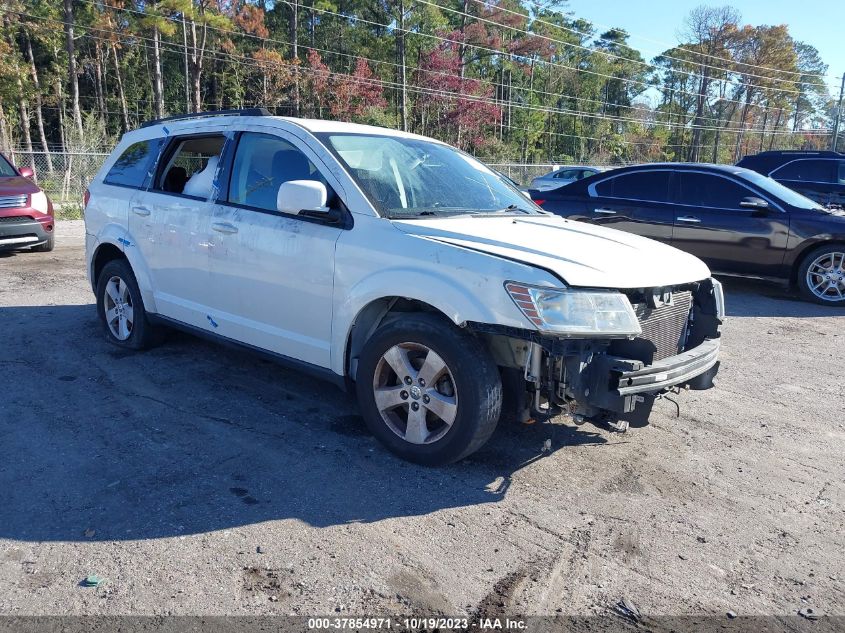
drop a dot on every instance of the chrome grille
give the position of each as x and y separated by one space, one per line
12 202
665 327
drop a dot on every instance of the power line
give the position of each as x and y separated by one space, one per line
475 46
178 47
681 48
503 86
594 51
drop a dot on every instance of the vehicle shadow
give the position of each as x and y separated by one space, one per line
754 298
98 443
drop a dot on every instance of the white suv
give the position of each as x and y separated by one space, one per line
395 265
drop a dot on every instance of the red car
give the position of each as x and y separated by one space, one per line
26 213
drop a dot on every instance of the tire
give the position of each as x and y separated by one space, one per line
131 330
466 391
823 265
47 246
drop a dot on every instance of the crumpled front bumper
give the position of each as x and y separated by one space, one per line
633 376
619 384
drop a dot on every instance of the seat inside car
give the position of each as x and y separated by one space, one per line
174 181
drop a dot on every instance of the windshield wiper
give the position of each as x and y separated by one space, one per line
510 209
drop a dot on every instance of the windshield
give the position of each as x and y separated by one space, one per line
406 177
6 168
775 188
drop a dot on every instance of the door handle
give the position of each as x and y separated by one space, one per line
142 211
688 219
224 227
605 211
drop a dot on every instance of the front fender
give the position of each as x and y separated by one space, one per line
458 299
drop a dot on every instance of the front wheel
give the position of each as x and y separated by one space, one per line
821 275
428 390
47 246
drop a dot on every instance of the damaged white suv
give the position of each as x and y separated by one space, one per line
395 265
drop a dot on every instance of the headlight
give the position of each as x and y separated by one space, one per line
719 297
38 201
577 313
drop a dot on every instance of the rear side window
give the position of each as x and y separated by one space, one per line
705 190
806 171
191 166
652 186
842 172
131 169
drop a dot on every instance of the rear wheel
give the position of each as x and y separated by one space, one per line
821 275
121 308
428 390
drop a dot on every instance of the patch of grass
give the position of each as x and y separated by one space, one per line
68 211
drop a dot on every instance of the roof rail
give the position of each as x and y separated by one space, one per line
805 152
210 113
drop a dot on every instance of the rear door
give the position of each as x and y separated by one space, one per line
636 202
171 220
711 223
816 178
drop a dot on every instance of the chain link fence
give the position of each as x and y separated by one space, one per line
65 175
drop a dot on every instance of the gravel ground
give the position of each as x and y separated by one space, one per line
197 479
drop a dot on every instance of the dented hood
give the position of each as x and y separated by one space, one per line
580 254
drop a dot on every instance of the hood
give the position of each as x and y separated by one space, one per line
16 185
580 254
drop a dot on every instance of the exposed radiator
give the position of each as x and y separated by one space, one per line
665 327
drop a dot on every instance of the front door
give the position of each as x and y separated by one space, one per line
711 224
272 273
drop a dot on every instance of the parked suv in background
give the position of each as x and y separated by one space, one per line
397 265
735 219
26 213
818 175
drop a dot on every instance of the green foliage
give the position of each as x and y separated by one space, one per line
509 80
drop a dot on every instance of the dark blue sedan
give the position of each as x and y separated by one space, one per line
737 220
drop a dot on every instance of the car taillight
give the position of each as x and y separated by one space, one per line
86 198
538 202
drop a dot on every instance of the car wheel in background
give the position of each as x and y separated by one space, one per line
46 247
121 308
428 390
821 275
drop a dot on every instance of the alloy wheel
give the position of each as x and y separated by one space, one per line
826 276
120 315
415 393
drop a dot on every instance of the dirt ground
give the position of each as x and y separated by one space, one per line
197 479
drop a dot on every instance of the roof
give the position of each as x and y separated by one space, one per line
767 162
261 115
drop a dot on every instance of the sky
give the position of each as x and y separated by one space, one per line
654 24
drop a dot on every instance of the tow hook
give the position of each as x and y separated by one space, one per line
618 426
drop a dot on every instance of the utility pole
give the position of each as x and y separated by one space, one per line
838 115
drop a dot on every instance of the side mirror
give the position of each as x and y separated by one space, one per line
296 196
754 203
26 172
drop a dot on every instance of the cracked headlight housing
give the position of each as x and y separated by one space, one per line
576 313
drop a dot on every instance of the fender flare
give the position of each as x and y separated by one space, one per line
457 301
119 237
